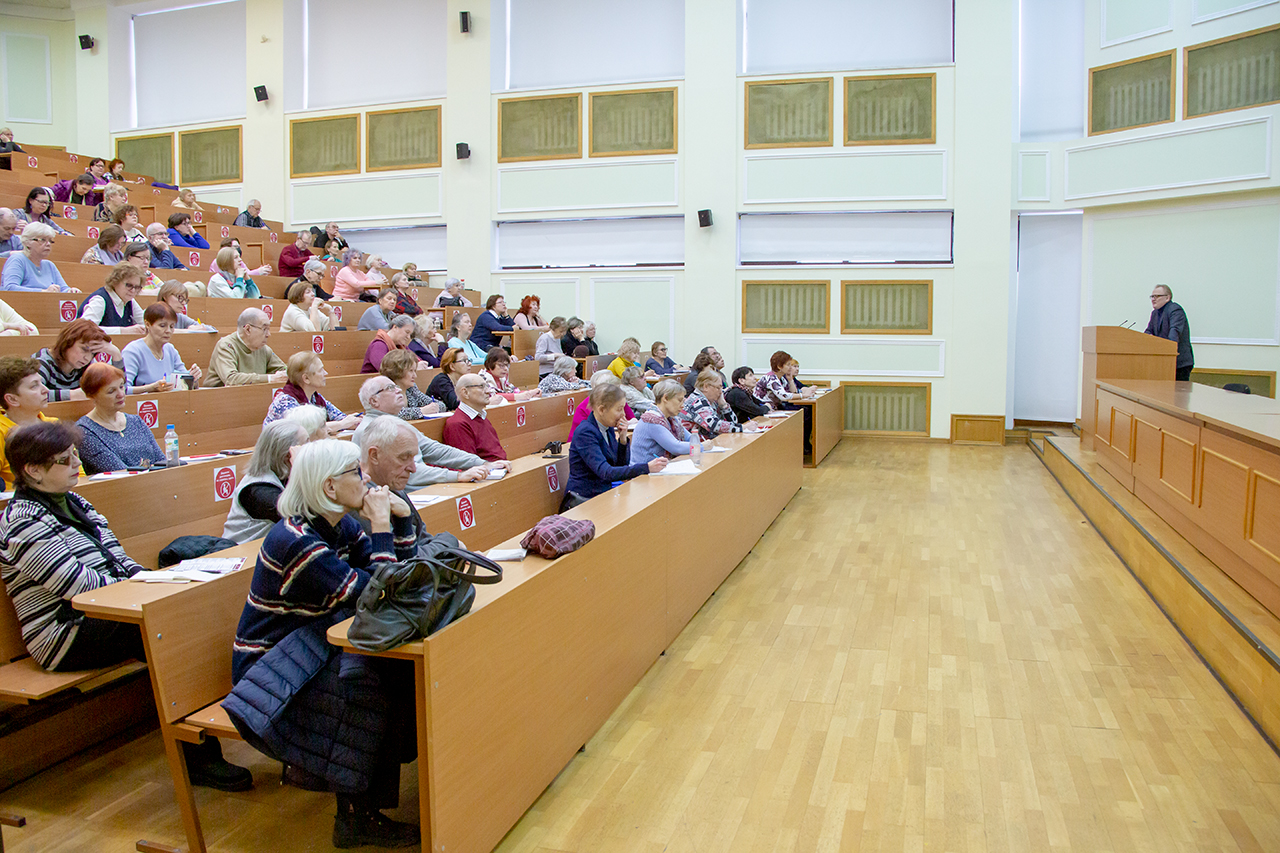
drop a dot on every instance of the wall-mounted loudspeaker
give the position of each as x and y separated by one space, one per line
464 21
86 42
704 218
464 150
260 92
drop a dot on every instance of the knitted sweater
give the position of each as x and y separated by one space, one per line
473 433
233 363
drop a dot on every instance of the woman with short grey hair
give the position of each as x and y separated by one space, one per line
639 397
31 268
253 503
563 377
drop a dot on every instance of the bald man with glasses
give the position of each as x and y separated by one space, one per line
1168 320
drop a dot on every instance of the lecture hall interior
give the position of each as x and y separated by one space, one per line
1002 585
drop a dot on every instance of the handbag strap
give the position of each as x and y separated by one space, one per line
470 561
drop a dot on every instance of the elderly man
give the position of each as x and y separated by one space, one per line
161 257
389 457
1168 320
436 463
251 217
243 358
294 257
468 428
183 233
331 235
9 239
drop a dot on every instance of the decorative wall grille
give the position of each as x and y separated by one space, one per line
544 128
1131 94
894 307
324 146
640 122
882 407
210 156
785 306
148 155
789 113
1232 74
889 110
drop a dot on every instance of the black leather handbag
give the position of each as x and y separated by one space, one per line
415 598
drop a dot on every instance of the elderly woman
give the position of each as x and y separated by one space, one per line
306 376
77 190
13 323
311 570
401 367
139 255
600 377
305 313
396 336
380 314
36 209
740 397
628 356
98 168
451 296
460 329
115 169
780 385
660 432
599 454
351 281
705 411
183 233
374 266
573 337
63 364
127 218
114 200
110 247
253 503
113 439
174 294
496 374
639 397
454 364
113 306
563 377
31 268
151 363
312 419
405 303
547 350
232 280
313 273
186 200
528 317
659 362
427 340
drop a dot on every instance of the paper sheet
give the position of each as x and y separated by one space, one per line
777 414
505 555
711 448
212 565
496 473
171 576
679 466
421 501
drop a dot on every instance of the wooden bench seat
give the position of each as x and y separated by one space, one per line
24 680
213 720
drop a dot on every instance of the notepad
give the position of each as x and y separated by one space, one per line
777 414
680 466
421 501
496 473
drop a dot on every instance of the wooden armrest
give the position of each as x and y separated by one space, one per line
212 720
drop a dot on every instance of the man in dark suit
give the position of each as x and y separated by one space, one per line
1168 320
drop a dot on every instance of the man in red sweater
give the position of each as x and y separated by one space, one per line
468 428
294 256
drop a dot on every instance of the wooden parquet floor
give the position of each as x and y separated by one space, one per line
930 650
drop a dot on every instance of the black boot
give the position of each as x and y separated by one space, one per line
206 767
356 825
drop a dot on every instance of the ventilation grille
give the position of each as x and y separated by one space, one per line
148 155
892 307
327 146
1234 74
885 408
785 306
789 113
1132 94
887 110
633 122
539 128
403 139
210 156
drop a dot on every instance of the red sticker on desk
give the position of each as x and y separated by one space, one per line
104 357
198 216
269 311
66 310
149 412
571 407
275 238
92 232
519 416
74 158
553 479
155 191
226 232
337 313
224 483
194 259
33 163
222 210
466 515
333 272
413 293
69 212
317 343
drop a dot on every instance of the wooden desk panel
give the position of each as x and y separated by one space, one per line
826 424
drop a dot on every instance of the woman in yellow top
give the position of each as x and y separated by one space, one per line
23 395
628 355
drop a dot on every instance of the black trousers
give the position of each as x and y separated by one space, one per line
99 643
1183 374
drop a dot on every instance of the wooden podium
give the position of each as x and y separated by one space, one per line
1112 352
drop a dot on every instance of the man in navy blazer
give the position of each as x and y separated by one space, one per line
1168 320
494 319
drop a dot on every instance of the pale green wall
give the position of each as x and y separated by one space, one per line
62 64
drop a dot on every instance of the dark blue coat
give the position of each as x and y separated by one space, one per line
486 324
596 462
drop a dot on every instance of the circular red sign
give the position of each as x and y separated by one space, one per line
269 311
553 478
149 412
317 343
224 482
198 216
520 416
275 238
195 259
92 232
466 515
570 407
67 310
226 232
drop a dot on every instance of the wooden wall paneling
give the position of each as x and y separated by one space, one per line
977 429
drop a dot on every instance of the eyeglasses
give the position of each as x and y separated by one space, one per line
136 287
48 240
263 328
182 300
356 470
67 460
385 389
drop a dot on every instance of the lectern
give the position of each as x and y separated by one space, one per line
1113 352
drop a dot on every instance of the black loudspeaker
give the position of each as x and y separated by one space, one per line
464 150
704 218
86 42
260 92
464 21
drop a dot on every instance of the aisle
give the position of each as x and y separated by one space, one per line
929 650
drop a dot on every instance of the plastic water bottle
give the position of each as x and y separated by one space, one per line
172 451
695 451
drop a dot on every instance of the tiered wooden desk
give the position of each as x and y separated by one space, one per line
826 426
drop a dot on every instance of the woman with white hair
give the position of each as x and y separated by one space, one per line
253 503
114 198
451 295
311 570
660 432
600 377
31 268
639 397
186 200
373 269
312 419
307 376
563 377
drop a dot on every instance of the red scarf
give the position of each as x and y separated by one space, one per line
291 390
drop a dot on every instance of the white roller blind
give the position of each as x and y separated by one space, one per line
374 52
424 246
164 44
1047 335
651 240
783 36
845 238
551 43
1052 73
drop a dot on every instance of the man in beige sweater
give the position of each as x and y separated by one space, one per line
243 358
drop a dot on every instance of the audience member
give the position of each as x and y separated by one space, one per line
109 249
243 357
306 375
10 242
589 337
13 323
705 410
374 264
389 457
451 296
493 319
659 432
127 218
573 336
780 385
311 569
151 363
351 282
332 234
174 294
113 306
427 341
305 313
31 268
7 145
234 243
250 217
161 257
313 273
528 317
232 280
380 314
183 233
63 364
401 367
468 428
115 169
37 209
600 377
628 356
333 252
659 362
454 363
497 376
114 200
139 256
77 190
599 453
563 377
23 398
113 439
411 271
405 303
396 336
312 419
186 200
701 362
98 168
547 351
294 256
740 397
253 503
639 397
460 331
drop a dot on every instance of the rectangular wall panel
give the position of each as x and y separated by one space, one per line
28 87
1228 152
651 183
1125 20
637 306
1033 176
424 245
917 175
849 356
366 199
917 236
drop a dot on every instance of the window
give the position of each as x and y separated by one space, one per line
623 242
548 127
403 139
897 237
890 110
887 307
789 113
1232 73
324 146
786 306
166 42
148 155
1134 93
210 156
635 122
